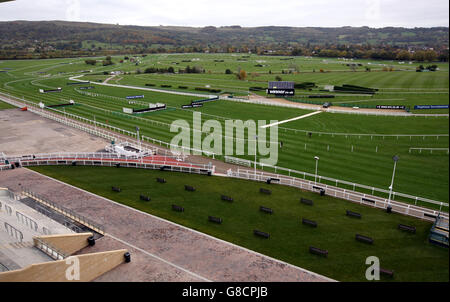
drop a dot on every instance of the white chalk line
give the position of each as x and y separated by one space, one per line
292 119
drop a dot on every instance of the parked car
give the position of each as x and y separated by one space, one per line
326 105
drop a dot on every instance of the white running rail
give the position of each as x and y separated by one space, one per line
336 182
361 198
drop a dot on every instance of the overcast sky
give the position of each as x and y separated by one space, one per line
248 13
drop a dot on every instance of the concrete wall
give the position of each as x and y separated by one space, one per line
90 267
66 243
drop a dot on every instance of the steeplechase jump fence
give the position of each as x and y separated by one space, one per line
96 131
316 107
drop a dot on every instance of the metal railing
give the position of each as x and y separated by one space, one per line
317 107
3 268
13 232
355 186
187 150
161 143
48 249
428 149
4 167
338 182
66 212
64 155
384 113
361 198
171 163
91 126
237 161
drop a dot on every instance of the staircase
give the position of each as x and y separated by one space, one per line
439 232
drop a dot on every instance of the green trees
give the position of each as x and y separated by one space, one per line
195 69
297 52
443 56
107 61
403 55
425 55
241 75
430 55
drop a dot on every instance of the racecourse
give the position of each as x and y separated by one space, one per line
354 148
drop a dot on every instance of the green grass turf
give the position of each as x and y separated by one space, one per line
409 255
363 165
4 105
370 163
396 88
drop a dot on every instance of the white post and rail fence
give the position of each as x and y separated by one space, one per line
92 127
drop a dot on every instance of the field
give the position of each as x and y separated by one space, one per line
355 148
409 255
402 86
5 106
352 147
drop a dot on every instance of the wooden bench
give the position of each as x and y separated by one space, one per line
309 222
386 272
408 228
215 219
115 189
177 208
226 198
364 239
144 197
266 210
161 180
265 191
317 251
306 201
353 214
189 188
261 234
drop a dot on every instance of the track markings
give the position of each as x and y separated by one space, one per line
292 119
